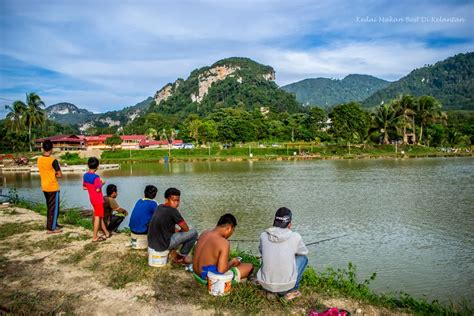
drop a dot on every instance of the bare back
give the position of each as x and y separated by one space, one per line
211 249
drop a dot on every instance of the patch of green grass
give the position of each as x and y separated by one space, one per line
343 282
10 229
73 217
132 267
80 255
57 241
40 302
73 159
247 257
96 263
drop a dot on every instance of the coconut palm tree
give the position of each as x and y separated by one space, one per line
406 105
15 118
34 115
385 119
428 111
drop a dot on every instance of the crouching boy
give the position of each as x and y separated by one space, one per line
283 257
212 252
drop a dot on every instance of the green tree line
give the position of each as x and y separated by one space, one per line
405 119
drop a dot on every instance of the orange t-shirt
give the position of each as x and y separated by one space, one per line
47 167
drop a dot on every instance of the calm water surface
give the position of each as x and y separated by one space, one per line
411 221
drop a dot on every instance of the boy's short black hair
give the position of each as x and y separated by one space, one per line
47 145
111 188
150 191
93 163
172 191
227 219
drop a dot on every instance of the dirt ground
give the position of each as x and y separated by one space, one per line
67 273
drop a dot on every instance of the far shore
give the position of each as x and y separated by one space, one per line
288 158
246 152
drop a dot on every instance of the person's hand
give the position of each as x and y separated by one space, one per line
103 182
235 262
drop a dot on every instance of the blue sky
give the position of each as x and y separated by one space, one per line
107 54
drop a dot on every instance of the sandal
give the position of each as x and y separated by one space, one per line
99 239
292 295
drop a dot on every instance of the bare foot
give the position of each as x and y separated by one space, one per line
99 239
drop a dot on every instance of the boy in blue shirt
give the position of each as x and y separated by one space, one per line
143 211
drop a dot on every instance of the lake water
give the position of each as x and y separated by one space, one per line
411 220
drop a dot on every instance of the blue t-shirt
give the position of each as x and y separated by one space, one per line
141 215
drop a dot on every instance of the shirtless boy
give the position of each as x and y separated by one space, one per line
212 251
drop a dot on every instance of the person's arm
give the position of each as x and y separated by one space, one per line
98 184
301 248
184 226
223 262
57 169
179 220
122 210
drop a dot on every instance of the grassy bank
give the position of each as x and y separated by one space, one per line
284 152
122 269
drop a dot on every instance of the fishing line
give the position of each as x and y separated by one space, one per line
309 244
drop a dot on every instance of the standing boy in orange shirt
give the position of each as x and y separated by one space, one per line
49 171
93 184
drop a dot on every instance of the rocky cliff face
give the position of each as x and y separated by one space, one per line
207 78
63 109
205 81
164 93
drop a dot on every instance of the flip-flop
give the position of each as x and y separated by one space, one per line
99 239
292 295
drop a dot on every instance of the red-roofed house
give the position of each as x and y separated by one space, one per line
132 141
97 142
63 142
146 143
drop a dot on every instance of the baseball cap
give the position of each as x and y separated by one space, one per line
282 217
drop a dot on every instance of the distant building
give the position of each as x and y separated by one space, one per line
80 142
147 143
97 142
132 141
63 142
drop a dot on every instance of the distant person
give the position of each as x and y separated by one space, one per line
143 211
163 235
113 213
283 257
212 251
93 184
50 171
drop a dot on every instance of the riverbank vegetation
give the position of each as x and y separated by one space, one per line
119 268
405 120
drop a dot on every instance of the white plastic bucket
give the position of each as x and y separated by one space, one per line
157 258
219 284
138 241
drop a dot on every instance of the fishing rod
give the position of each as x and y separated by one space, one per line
323 240
311 243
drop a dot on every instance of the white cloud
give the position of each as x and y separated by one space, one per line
110 52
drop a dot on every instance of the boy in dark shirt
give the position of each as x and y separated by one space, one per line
162 234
